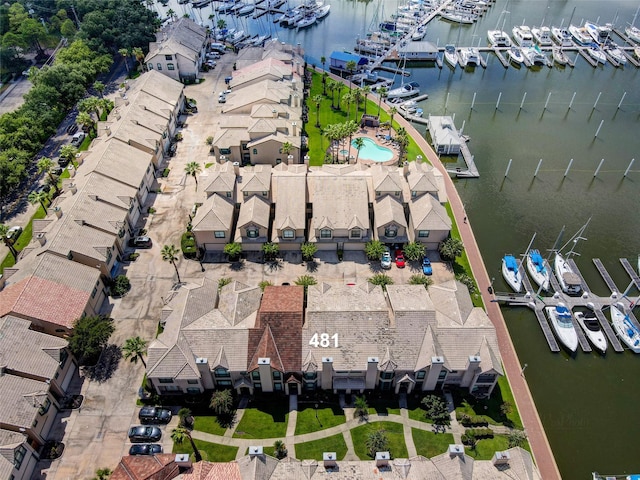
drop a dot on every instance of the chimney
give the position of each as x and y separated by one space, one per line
274 112
294 129
57 211
182 460
80 158
72 188
327 373
456 450
289 159
405 168
2 281
236 168
296 100
72 171
371 376
419 159
3 369
500 458
329 459
382 459
255 452
41 237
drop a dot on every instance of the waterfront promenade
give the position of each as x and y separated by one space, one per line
524 400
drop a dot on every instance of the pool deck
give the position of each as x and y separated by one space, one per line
377 135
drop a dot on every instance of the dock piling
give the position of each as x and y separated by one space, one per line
473 101
572 99
508 167
446 102
566 172
629 167
522 102
596 102
622 99
547 102
598 130
598 169
535 174
498 102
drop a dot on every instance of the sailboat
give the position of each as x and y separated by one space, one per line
632 31
499 38
511 273
569 280
625 329
405 90
536 266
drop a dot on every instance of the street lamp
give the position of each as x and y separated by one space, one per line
523 369
490 289
317 415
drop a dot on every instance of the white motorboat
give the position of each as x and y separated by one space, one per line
410 107
535 55
542 35
537 269
569 281
458 17
322 12
419 34
522 36
580 35
615 53
636 52
591 326
225 7
625 329
633 33
514 54
306 21
246 10
561 36
450 54
560 319
596 53
469 56
406 90
559 56
498 38
511 273
600 34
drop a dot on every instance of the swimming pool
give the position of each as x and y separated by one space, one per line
372 151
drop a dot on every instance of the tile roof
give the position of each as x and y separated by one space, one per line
271 67
423 178
213 471
219 178
21 398
146 467
255 179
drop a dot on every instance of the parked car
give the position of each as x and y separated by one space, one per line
57 170
172 149
43 188
63 162
145 449
77 139
400 263
192 106
154 415
13 233
72 129
426 266
222 98
385 261
141 433
141 242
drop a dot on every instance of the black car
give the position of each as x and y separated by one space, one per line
63 162
172 149
57 171
43 188
145 449
154 415
141 242
141 434
71 129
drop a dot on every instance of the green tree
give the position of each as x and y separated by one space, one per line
125 54
279 449
121 286
186 418
270 250
414 251
366 90
323 60
139 55
382 94
361 407
224 281
374 249
506 408
286 148
451 248
381 279
193 169
44 165
467 281
332 85
436 410
221 402
233 250
170 254
68 29
221 24
13 169
317 99
351 67
181 434
4 230
40 197
68 152
377 441
86 121
99 87
264 284
358 143
306 281
308 250
421 280
135 348
392 113
102 474
90 335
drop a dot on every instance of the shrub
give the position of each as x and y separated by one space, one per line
451 248
468 282
151 210
381 279
233 250
120 286
473 421
165 172
414 251
133 256
224 281
308 250
188 245
270 250
420 280
374 249
479 433
264 284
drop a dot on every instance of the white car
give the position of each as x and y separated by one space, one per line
385 260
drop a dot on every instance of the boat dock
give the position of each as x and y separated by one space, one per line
472 170
587 300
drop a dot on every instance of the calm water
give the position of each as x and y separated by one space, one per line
588 404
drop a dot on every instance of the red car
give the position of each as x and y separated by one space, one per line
399 259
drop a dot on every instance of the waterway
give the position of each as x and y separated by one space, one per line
588 403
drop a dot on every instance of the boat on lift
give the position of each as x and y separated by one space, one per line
450 54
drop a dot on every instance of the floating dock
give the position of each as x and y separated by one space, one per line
605 276
631 272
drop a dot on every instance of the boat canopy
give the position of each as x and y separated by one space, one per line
510 262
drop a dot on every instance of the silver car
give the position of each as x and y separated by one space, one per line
385 260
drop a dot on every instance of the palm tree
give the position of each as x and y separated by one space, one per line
286 148
44 166
221 402
171 14
348 98
170 254
4 230
135 348
366 90
402 139
184 414
361 407
325 77
125 54
331 86
382 94
40 197
193 169
323 60
339 87
180 434
392 112
68 152
279 449
358 143
317 99
221 24
351 67
85 120
139 54
99 87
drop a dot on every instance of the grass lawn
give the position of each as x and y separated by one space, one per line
486 447
266 450
329 116
23 240
415 410
327 418
213 452
430 444
395 435
383 405
490 408
315 449
264 420
208 424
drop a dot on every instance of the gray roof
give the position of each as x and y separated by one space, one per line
339 202
9 442
388 209
27 351
256 210
20 400
290 197
216 213
219 178
423 178
428 214
256 179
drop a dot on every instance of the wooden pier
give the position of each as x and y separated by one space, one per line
605 276
472 170
608 331
546 330
588 58
631 272
501 57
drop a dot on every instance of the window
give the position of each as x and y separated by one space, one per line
325 233
278 161
258 385
165 380
355 233
377 193
252 232
397 194
44 408
420 375
93 293
168 57
228 194
288 233
221 372
486 378
264 194
310 375
277 387
244 146
225 151
255 375
255 151
246 194
18 456
219 233
150 66
277 375
193 390
386 375
223 383
423 233
442 375
159 66
391 231
122 230
192 382
414 193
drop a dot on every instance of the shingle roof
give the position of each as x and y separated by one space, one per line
21 397
256 210
290 197
339 199
216 213
429 214
388 209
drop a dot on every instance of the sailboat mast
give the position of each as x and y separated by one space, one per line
530 243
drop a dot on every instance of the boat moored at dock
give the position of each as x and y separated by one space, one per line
450 55
595 52
562 324
514 54
522 36
625 329
498 38
511 273
559 56
589 323
561 36
542 35
569 281
406 90
580 35
537 269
